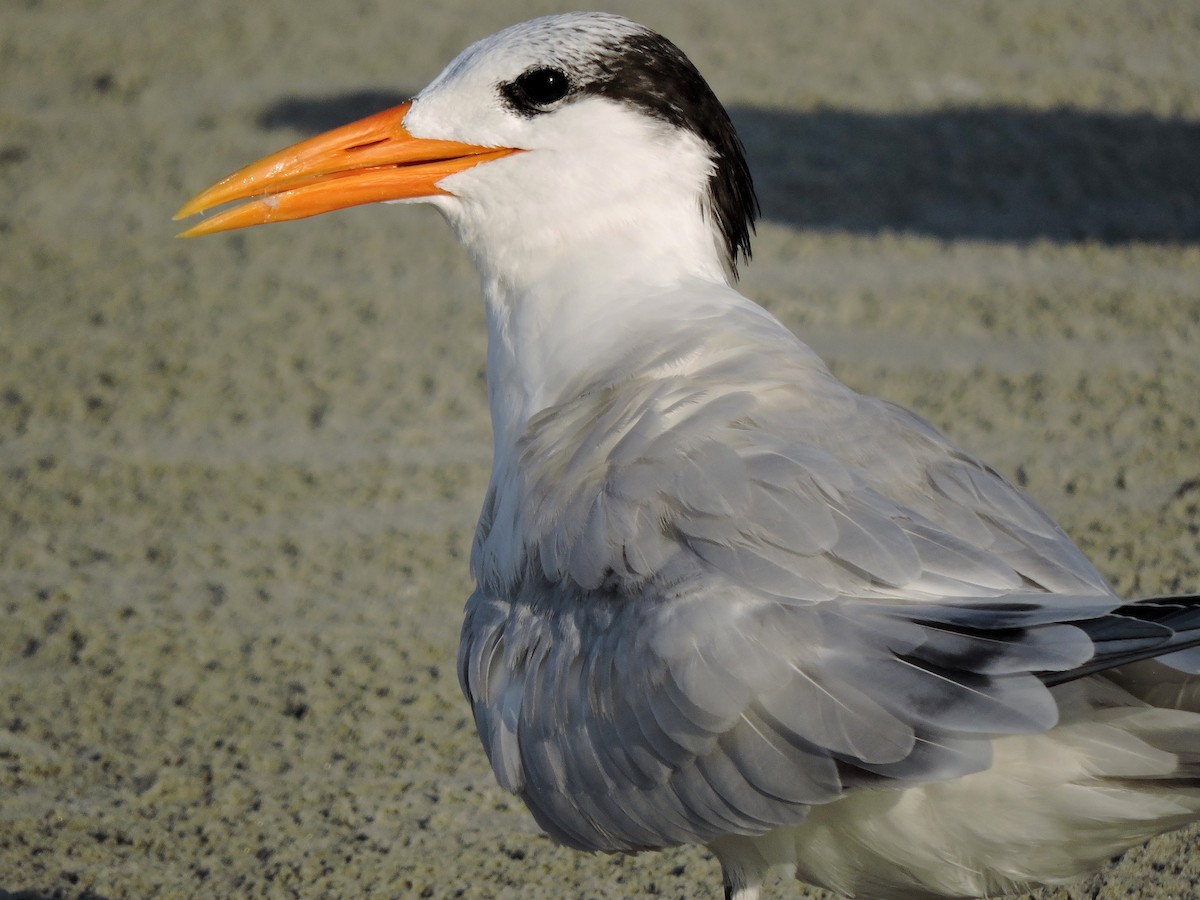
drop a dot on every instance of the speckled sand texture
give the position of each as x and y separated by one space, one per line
239 475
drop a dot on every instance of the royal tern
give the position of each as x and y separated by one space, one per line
721 597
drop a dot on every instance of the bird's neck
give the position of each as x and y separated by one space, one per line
574 326
565 305
584 254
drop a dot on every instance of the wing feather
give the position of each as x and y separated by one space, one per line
702 610
776 763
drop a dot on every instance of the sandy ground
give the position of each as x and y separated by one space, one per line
239 476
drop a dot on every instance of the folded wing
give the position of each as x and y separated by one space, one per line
719 618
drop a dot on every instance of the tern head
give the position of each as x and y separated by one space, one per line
572 135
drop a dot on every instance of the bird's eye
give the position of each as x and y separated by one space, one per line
542 87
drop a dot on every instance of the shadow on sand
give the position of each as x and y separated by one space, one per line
982 173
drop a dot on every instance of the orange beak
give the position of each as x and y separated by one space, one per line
366 161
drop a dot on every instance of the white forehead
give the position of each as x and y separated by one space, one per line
566 40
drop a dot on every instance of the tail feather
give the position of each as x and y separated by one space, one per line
1166 629
1159 685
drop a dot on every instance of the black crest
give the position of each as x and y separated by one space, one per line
648 71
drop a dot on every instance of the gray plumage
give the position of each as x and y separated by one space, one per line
743 589
721 597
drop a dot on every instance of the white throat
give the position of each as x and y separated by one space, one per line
582 252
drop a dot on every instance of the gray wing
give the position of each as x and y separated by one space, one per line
726 609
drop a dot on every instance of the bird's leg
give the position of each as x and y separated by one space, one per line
735 889
742 866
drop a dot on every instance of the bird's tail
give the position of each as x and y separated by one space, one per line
1164 629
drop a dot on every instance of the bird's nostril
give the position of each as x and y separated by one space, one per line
366 145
